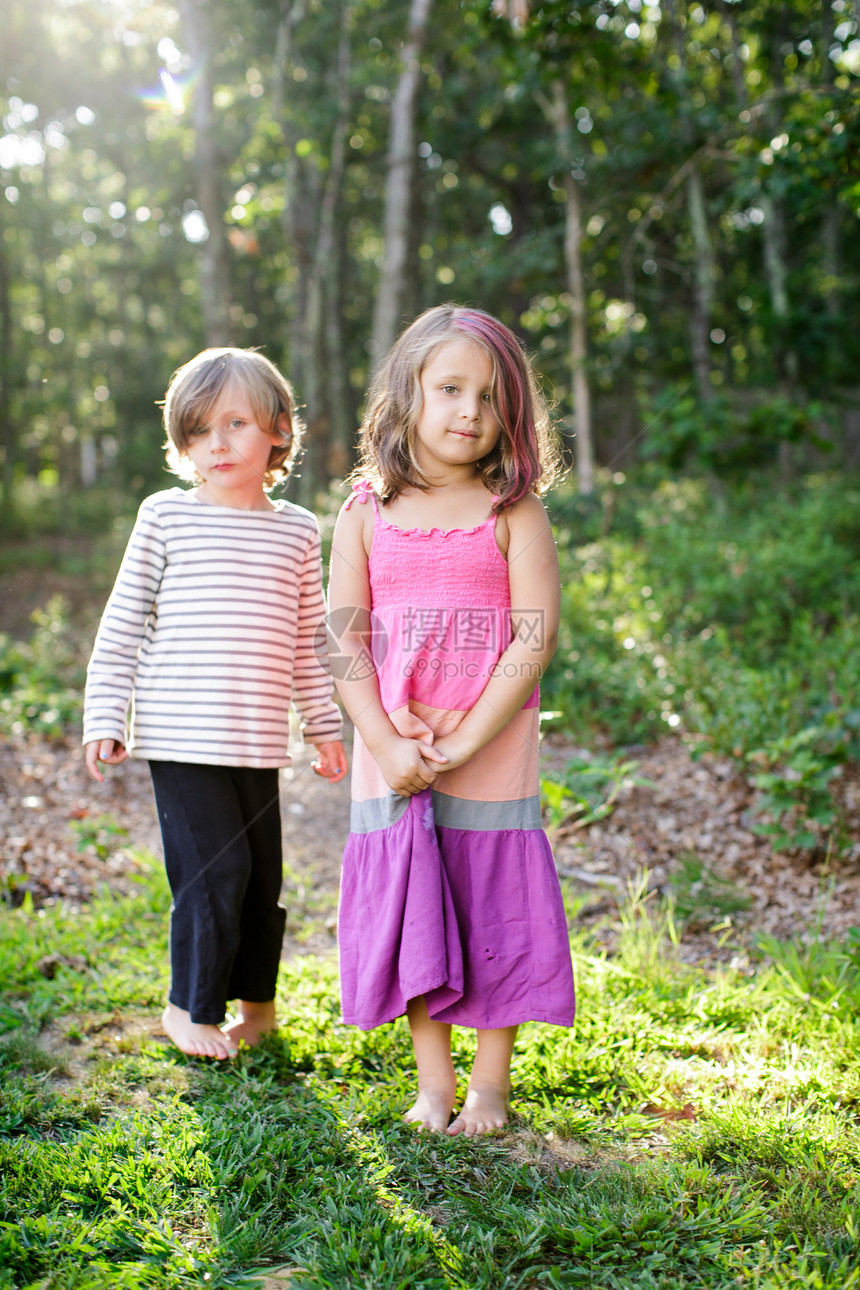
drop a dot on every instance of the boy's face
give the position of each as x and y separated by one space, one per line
230 451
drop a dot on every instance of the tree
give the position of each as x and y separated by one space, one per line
558 112
400 166
215 286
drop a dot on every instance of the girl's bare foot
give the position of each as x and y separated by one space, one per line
253 1021
437 1079
433 1106
195 1038
485 1109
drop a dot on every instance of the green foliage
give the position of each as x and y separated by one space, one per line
105 277
794 775
728 616
100 833
701 895
41 679
587 789
726 437
41 510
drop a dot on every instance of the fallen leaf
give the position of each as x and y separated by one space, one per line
685 1112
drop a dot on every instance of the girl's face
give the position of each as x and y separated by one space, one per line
231 450
457 425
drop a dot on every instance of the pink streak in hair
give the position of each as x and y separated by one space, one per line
511 393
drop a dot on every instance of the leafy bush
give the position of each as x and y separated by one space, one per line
728 437
41 510
587 790
41 679
729 616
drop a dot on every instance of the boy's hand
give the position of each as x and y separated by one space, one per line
109 751
331 762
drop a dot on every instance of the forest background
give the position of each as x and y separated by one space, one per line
662 201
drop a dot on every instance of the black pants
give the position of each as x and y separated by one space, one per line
221 829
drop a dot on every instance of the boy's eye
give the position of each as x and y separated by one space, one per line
236 423
197 432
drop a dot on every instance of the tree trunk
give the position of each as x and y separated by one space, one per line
703 257
703 296
321 327
296 220
401 150
830 229
215 291
737 62
774 237
6 353
831 259
340 458
773 233
580 390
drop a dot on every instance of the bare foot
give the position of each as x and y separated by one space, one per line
432 1108
485 1109
193 1037
253 1021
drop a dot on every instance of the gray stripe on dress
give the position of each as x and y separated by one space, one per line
482 817
448 813
376 813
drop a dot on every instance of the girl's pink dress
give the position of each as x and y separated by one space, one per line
451 894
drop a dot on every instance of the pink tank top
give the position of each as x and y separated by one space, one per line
441 605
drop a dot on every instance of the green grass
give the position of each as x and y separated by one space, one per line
697 1128
700 1126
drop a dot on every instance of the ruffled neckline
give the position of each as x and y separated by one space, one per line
362 491
434 532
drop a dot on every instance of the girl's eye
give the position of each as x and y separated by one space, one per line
198 432
488 398
236 424
449 389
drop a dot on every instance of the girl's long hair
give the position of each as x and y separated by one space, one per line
526 458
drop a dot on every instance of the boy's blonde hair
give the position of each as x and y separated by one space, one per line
195 388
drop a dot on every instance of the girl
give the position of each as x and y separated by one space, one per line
444 580
210 629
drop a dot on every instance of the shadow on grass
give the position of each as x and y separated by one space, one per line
696 1130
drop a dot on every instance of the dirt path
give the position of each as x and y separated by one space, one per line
49 808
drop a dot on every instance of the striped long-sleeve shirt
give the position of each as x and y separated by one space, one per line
214 625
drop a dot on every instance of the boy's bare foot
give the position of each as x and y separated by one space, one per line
485 1109
253 1021
194 1038
432 1107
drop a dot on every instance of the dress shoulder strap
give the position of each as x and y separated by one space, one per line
362 491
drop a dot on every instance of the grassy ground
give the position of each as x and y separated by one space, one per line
698 1128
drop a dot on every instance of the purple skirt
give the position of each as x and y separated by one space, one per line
456 901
